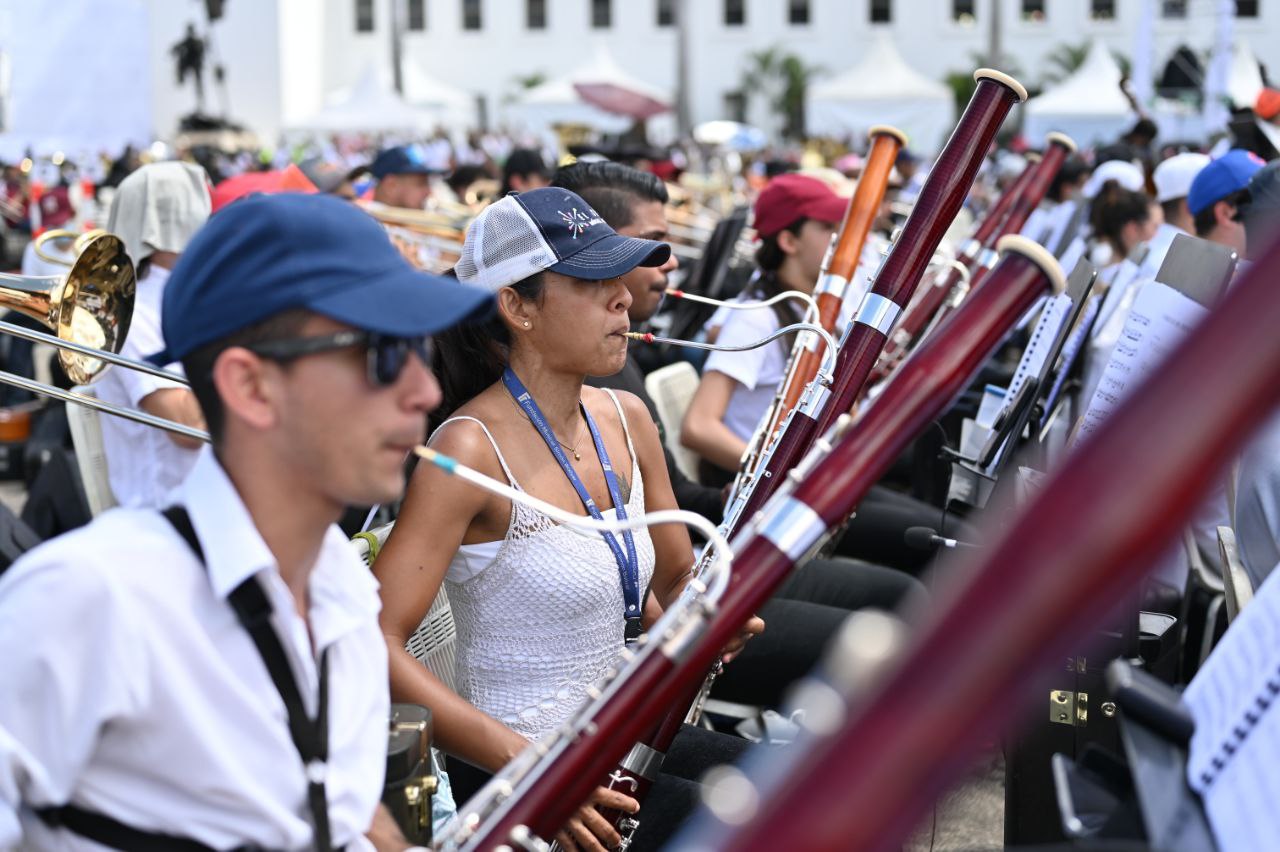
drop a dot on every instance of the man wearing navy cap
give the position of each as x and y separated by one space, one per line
213 677
404 178
1217 194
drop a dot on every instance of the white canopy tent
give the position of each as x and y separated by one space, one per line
372 106
451 106
1244 79
1088 106
558 102
883 89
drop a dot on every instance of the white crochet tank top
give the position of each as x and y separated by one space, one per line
543 621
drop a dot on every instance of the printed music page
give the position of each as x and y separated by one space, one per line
1233 698
1159 319
1043 338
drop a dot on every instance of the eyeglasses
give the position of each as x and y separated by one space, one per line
386 356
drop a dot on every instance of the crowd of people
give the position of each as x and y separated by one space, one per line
210 665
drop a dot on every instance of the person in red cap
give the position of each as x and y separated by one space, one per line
795 217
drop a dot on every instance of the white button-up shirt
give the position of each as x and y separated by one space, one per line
145 466
129 688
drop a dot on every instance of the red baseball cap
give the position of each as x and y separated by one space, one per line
791 197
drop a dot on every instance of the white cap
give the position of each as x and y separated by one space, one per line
1123 172
1173 177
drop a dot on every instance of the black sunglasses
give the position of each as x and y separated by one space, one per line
386 356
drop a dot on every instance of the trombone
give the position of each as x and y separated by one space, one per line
89 309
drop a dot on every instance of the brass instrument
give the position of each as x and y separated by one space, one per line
90 306
89 309
429 239
79 242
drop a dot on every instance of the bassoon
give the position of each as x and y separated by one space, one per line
940 199
1033 594
832 286
824 491
977 253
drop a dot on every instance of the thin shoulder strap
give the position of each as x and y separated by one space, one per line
501 460
626 430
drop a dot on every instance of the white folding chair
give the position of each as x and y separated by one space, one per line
434 642
91 457
1237 586
672 389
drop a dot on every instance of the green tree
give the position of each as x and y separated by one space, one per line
523 83
783 79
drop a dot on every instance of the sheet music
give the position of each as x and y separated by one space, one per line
1236 745
1055 313
1070 350
1159 319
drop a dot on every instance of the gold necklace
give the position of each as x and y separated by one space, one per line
573 449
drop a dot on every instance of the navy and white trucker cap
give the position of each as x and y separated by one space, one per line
549 228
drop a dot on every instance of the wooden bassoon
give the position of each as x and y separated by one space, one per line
830 291
1033 594
844 465
940 199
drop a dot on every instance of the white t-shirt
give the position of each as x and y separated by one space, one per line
144 465
757 371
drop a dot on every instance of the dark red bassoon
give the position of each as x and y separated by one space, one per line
1034 594
940 199
792 524
976 254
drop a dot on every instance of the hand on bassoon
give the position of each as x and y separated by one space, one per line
588 829
753 627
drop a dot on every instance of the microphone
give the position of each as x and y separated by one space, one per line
926 538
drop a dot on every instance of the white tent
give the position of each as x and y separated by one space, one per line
1088 106
371 105
558 102
1244 79
451 106
883 89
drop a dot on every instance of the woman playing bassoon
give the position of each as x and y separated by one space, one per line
541 609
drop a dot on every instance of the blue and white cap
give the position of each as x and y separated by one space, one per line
549 228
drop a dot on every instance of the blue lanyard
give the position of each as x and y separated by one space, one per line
628 563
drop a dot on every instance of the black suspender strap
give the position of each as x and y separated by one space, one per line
310 736
115 834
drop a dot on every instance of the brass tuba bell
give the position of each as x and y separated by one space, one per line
91 305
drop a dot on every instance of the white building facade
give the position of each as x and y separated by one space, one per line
284 56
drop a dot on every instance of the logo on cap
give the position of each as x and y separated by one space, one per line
577 222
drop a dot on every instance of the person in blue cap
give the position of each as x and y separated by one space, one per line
1217 195
542 611
403 175
213 676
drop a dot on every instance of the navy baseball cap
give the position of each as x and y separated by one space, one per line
1227 174
548 229
401 160
266 254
